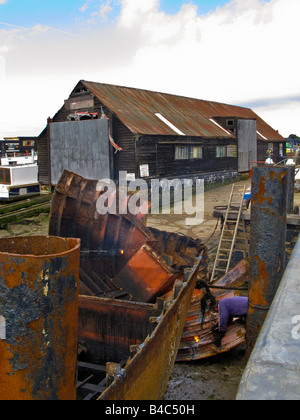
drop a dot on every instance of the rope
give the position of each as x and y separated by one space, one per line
212 233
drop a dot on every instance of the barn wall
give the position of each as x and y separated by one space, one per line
159 153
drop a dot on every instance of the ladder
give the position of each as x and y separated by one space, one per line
227 242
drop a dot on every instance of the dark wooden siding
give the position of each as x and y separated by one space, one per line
262 147
124 160
156 151
159 153
43 158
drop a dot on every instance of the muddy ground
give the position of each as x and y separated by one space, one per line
216 378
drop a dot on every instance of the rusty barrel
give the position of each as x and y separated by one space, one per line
267 244
38 318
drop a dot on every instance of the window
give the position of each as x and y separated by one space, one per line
280 149
196 152
181 152
28 143
188 152
4 176
230 123
232 150
221 151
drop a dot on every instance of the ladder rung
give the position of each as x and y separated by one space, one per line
231 239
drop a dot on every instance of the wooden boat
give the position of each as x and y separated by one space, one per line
197 342
136 286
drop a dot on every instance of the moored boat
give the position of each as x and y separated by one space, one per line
197 341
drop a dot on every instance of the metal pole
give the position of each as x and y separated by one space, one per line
39 279
267 244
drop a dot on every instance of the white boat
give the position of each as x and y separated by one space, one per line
18 177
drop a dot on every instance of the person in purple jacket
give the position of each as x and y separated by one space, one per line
229 308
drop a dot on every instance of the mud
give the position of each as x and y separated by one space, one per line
216 378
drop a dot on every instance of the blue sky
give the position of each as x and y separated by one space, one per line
66 12
243 52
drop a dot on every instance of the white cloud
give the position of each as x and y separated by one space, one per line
242 52
104 10
2 67
85 7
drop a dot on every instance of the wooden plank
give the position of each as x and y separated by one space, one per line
92 366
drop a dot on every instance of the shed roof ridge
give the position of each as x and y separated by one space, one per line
165 93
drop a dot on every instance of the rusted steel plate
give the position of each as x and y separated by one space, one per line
129 244
39 279
74 214
146 375
108 327
267 244
196 342
146 276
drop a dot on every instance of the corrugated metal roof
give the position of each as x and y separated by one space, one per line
137 109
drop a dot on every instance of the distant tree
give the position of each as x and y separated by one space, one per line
294 137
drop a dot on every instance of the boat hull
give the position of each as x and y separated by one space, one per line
197 342
136 286
146 373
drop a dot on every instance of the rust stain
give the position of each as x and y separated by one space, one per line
261 195
279 176
261 190
39 299
258 291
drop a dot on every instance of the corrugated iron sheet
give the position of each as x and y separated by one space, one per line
136 108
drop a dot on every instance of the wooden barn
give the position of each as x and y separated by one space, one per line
152 135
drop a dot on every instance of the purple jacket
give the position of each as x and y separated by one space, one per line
235 307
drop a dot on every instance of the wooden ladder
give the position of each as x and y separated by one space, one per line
226 244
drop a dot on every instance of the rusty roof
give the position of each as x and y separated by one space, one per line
154 113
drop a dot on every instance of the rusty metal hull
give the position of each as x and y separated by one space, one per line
119 254
39 278
196 342
146 375
125 270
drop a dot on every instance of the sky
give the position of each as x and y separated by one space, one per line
242 52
